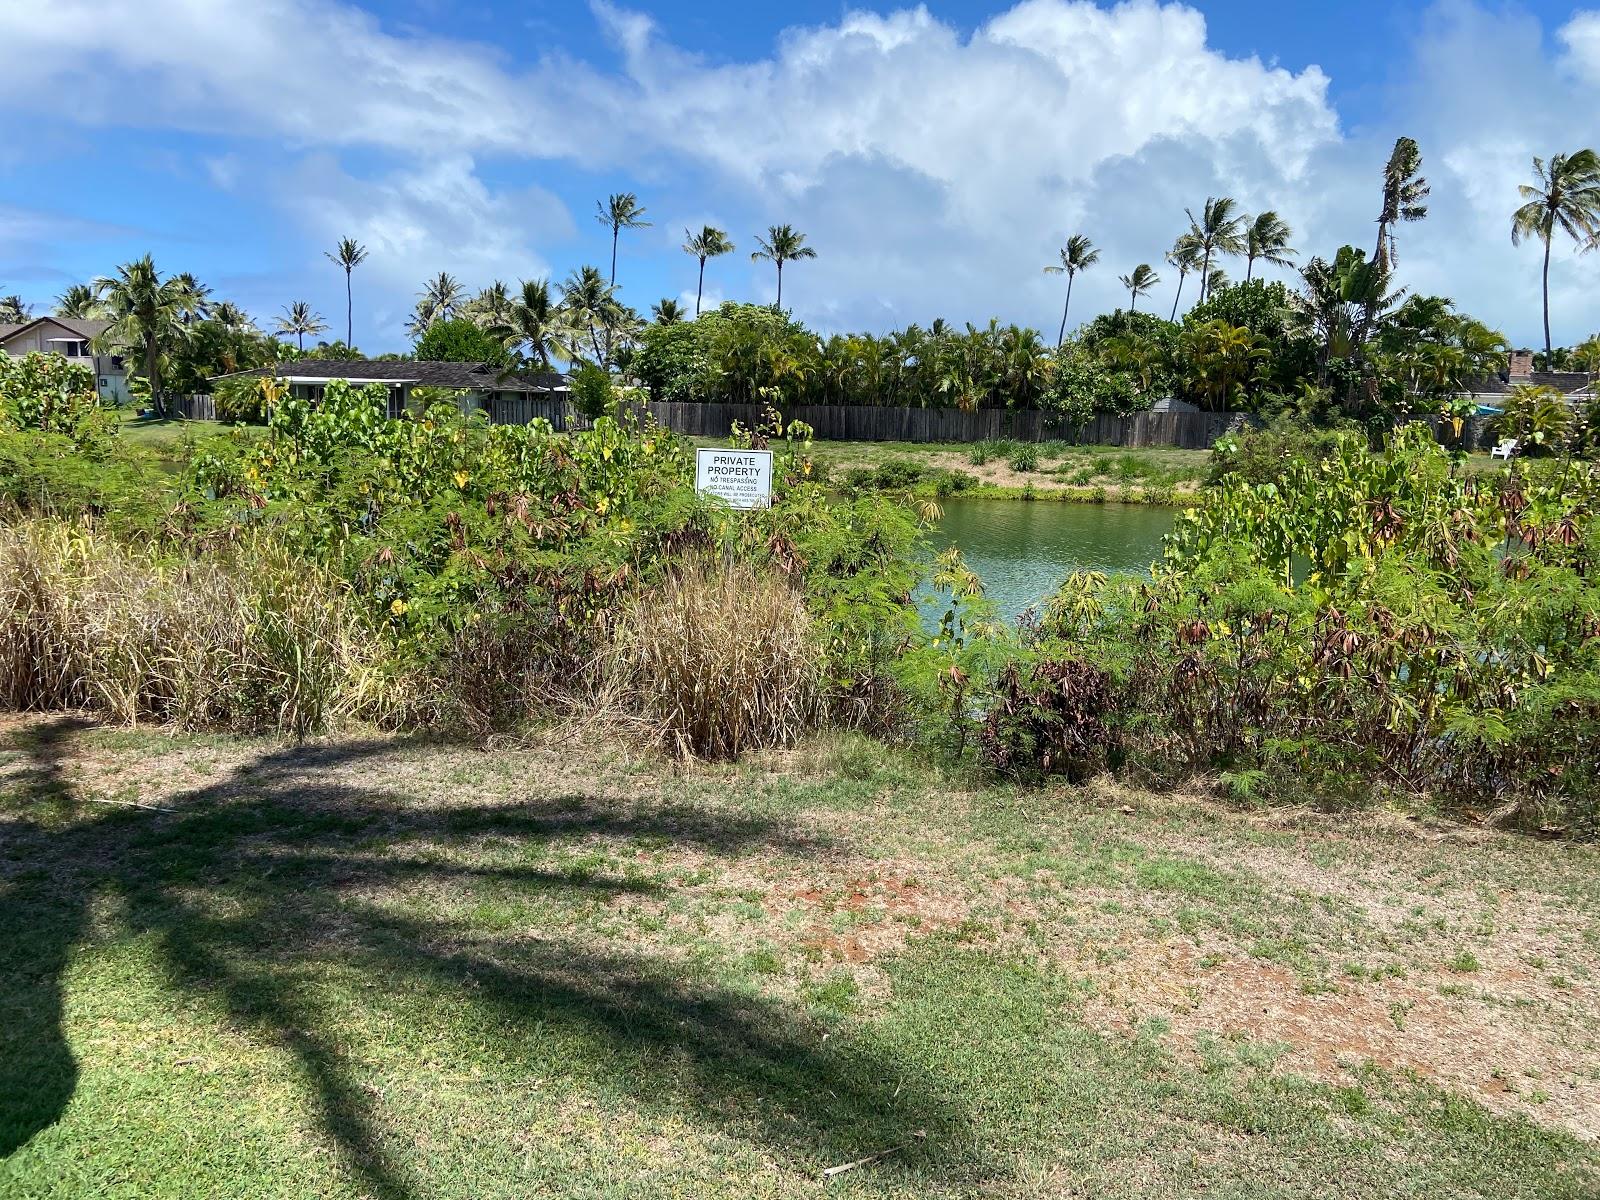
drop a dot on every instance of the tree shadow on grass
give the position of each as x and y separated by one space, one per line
282 871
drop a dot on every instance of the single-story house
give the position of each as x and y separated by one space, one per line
1576 386
71 338
506 397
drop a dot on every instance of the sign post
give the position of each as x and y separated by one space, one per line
743 478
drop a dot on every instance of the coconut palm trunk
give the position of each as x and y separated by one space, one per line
349 312
1549 353
1065 308
700 287
1177 296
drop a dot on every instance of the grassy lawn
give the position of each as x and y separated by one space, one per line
168 438
391 968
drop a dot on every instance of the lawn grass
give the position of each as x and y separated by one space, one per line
170 439
392 968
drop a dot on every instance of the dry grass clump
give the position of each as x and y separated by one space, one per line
252 642
717 661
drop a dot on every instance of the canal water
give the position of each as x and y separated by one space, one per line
1022 551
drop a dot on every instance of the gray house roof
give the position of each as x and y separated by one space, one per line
465 376
87 330
1566 382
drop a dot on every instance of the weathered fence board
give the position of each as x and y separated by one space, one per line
191 408
844 423
839 423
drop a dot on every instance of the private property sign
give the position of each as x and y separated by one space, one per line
741 477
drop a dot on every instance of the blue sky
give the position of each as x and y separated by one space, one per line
935 156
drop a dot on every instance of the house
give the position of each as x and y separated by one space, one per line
1490 393
505 397
72 338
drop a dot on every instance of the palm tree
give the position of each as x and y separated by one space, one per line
77 301
491 306
197 297
710 242
441 296
1077 255
1404 190
782 244
1139 284
1216 280
424 315
1184 257
298 319
1567 195
147 313
1267 238
231 317
591 303
1218 231
349 254
620 211
536 325
13 311
667 311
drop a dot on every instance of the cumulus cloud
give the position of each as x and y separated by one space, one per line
934 170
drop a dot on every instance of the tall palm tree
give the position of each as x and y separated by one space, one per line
13 311
782 244
1218 231
77 301
1567 195
1267 239
710 242
1184 257
231 317
1077 255
442 296
424 315
492 305
667 311
619 211
348 254
536 326
197 297
298 319
1404 190
591 304
1139 284
148 314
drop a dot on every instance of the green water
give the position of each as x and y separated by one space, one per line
1023 551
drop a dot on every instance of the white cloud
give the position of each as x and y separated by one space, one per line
935 172
420 219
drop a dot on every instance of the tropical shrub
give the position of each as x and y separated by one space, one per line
1537 416
459 339
592 392
49 393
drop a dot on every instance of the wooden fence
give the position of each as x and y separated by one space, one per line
832 422
842 423
191 408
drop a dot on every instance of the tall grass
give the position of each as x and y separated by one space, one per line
718 661
250 642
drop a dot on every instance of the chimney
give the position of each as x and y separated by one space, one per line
1521 365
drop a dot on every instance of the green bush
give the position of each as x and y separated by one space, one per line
593 393
1024 458
49 393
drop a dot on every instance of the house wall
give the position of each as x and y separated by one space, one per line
111 380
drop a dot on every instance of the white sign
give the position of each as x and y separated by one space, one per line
741 477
